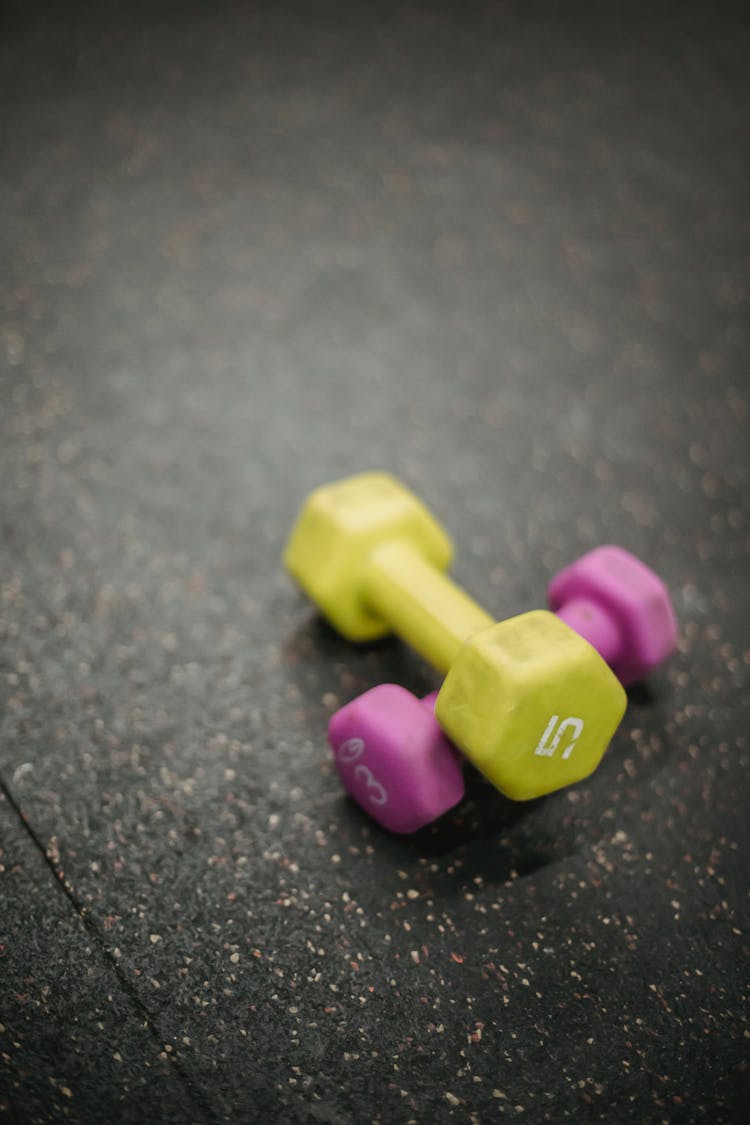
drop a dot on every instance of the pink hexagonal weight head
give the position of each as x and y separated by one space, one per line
394 760
620 606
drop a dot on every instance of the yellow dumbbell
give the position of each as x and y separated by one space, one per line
528 700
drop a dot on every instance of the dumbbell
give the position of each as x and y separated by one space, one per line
389 749
372 558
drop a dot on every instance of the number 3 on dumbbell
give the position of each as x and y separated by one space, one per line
371 790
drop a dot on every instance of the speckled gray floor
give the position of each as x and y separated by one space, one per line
503 254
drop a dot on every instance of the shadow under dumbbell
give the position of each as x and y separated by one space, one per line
482 818
641 694
384 661
490 843
315 638
487 834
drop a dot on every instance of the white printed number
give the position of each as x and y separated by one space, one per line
376 794
348 753
553 734
350 750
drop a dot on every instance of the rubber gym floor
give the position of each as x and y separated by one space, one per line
500 250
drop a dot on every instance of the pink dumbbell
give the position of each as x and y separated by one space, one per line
388 748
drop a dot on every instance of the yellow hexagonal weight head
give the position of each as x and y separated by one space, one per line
531 704
337 532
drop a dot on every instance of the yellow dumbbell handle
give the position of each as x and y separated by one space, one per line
421 604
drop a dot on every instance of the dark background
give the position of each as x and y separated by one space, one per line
500 250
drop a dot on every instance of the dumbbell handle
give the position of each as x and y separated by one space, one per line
435 616
591 622
421 604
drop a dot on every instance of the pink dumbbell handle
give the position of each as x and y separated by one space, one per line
595 624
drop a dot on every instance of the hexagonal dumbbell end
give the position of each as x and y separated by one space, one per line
333 542
531 704
393 758
373 559
620 606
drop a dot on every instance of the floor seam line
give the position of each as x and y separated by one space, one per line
88 921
